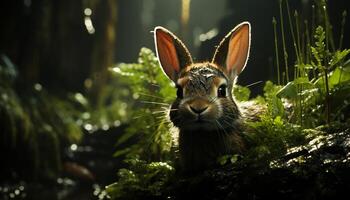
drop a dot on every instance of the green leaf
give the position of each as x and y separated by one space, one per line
319 51
301 81
288 91
338 57
121 152
338 76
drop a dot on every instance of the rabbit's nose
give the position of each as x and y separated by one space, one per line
198 110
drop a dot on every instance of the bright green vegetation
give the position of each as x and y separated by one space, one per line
152 94
141 180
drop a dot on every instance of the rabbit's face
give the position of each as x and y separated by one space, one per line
204 99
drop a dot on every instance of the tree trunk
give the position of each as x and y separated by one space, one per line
103 52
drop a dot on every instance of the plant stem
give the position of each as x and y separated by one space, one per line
297 25
292 32
329 32
299 69
326 65
326 25
342 30
327 96
284 44
276 50
301 105
308 42
313 23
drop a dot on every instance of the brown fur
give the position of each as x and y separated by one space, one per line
200 144
206 116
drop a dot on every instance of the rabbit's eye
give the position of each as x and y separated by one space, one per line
222 91
179 92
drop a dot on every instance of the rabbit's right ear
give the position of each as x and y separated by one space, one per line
171 52
233 51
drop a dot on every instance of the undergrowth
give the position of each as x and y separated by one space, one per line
152 94
35 126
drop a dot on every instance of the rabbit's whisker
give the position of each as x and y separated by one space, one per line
153 84
150 95
252 84
160 112
160 121
160 117
228 124
222 135
155 103
138 116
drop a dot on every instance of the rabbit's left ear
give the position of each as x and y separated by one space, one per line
233 51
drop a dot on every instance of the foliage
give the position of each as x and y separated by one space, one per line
142 179
152 93
269 138
275 105
318 81
241 93
35 125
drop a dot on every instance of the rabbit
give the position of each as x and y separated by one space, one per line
207 118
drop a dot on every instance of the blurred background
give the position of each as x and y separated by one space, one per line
62 44
58 117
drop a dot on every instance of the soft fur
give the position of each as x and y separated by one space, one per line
205 113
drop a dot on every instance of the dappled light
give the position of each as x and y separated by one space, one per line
88 22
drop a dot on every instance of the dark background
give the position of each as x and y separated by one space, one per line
50 44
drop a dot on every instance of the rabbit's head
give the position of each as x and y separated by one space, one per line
204 90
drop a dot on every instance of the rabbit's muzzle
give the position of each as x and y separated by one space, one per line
197 113
198 106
